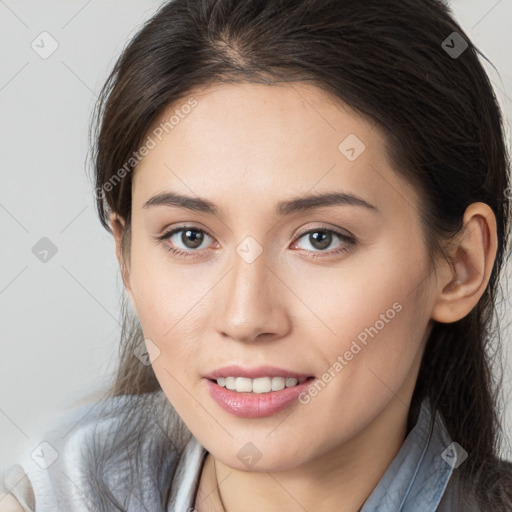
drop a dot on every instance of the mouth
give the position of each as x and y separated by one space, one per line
256 392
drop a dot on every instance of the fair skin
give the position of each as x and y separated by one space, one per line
245 148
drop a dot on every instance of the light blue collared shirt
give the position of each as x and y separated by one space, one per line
421 478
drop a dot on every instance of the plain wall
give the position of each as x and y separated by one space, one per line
59 319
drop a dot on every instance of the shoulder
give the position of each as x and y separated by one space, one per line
119 448
115 427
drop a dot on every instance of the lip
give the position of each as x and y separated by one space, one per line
255 405
254 373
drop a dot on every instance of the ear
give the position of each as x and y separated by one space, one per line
463 282
117 224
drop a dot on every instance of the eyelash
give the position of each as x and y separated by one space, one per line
350 241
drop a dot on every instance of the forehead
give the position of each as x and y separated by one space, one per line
263 140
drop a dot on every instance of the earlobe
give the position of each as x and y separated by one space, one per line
462 283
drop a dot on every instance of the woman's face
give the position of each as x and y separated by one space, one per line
264 282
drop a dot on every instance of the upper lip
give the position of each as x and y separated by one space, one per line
254 372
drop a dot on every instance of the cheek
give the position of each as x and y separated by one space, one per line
377 316
372 360
163 291
168 309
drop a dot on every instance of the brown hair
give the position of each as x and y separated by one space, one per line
389 61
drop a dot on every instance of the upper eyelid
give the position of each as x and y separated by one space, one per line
336 231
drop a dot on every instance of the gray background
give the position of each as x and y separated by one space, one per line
59 319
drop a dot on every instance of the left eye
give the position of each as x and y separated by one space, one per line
192 238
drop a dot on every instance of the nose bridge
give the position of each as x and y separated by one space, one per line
250 277
251 301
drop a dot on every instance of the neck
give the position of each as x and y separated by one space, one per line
339 480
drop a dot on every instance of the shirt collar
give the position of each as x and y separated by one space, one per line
418 475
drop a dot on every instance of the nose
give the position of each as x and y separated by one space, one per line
252 302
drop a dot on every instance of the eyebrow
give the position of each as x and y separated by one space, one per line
283 208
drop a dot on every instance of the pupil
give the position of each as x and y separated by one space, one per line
325 239
194 236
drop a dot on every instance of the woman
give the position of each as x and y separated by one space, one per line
310 205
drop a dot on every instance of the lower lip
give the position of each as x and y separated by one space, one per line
256 405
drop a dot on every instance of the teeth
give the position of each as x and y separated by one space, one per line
259 385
